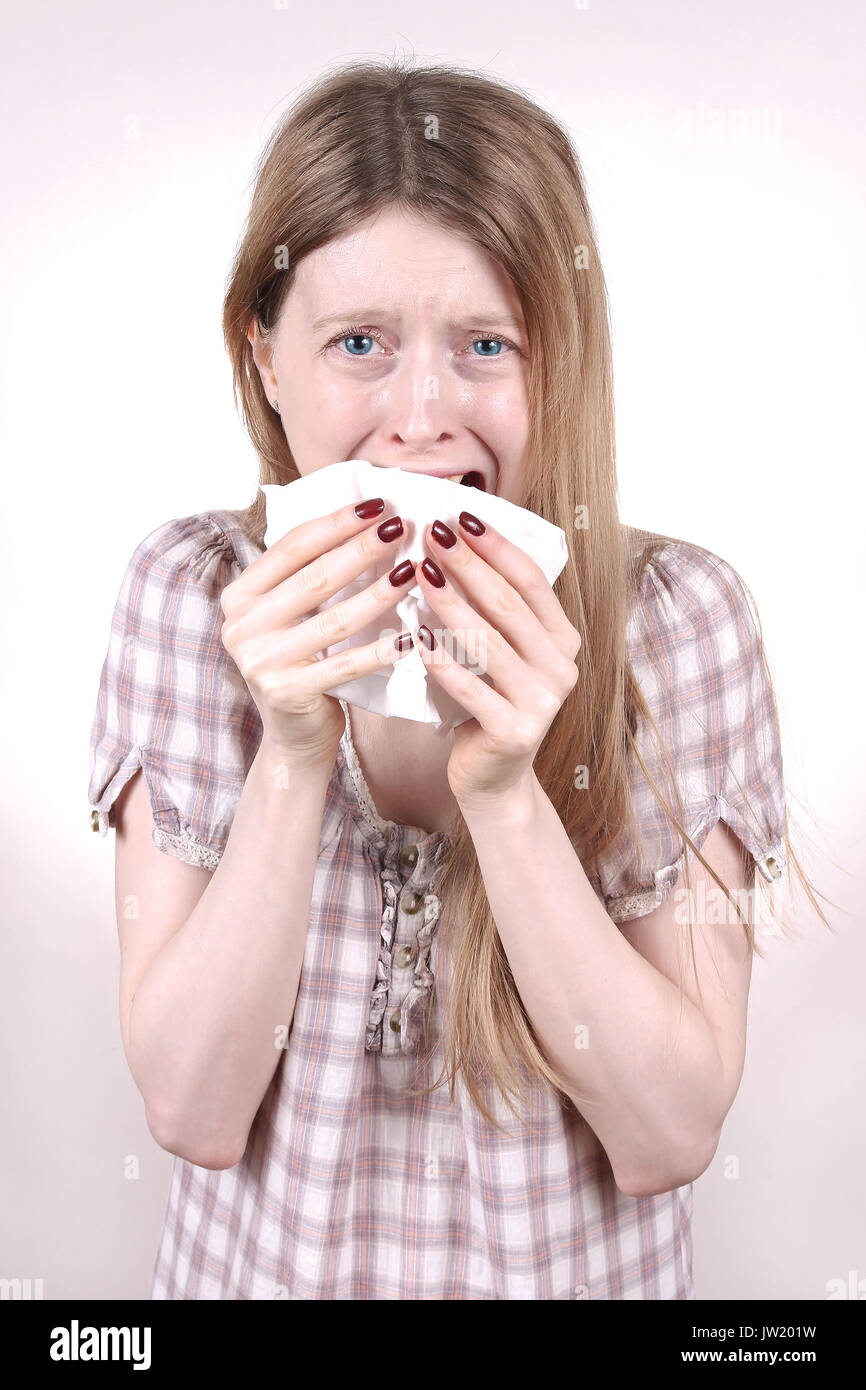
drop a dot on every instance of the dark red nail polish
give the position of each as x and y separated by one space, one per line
471 524
390 529
401 573
403 642
425 636
372 507
443 534
431 571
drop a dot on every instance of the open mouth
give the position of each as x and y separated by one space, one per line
473 479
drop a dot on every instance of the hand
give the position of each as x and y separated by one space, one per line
514 630
275 649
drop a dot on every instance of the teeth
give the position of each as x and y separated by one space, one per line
455 477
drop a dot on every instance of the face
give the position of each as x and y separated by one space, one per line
403 344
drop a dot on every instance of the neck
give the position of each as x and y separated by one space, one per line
404 764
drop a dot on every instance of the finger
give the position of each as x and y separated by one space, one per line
342 620
469 690
301 545
325 575
518 651
523 576
319 677
473 642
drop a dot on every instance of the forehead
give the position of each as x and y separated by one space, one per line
404 264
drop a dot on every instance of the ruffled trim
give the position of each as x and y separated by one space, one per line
418 997
385 839
391 886
770 865
416 1002
378 827
185 846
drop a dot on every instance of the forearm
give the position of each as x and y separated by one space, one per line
204 1020
643 1063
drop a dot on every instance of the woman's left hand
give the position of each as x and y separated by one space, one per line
512 628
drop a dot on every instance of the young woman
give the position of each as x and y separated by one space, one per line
319 908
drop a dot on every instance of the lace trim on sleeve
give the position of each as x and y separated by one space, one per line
185 846
770 865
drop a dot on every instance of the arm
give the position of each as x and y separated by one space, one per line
199 1012
655 1086
654 1082
211 964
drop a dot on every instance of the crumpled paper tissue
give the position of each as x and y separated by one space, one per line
405 689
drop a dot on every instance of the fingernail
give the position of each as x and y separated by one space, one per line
403 642
401 573
390 529
425 636
431 571
443 534
471 524
372 507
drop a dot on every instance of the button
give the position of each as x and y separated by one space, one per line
94 820
405 956
395 1022
410 902
409 856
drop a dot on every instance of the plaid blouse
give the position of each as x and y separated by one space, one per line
349 1188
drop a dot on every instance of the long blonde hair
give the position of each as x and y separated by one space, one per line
503 172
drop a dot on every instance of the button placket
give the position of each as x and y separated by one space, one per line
391 884
414 935
405 872
403 977
410 903
417 998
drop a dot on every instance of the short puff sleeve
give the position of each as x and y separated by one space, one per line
171 699
695 649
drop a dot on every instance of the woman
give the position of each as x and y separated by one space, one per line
316 903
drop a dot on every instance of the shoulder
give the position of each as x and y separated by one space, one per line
693 621
176 574
171 699
696 651
202 547
689 589
711 746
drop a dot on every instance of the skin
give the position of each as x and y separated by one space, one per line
369 396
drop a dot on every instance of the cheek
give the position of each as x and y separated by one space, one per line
510 443
504 419
337 400
323 407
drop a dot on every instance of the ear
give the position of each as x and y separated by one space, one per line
263 358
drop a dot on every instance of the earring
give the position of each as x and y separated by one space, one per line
277 407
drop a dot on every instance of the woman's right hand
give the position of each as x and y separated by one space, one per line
275 648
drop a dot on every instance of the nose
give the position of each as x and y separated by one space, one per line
420 404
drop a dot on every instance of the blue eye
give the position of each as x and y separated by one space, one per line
357 337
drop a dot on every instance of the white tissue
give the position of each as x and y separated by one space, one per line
405 690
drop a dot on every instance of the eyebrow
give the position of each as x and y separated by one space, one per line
370 315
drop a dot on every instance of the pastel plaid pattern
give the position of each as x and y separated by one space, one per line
350 1188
